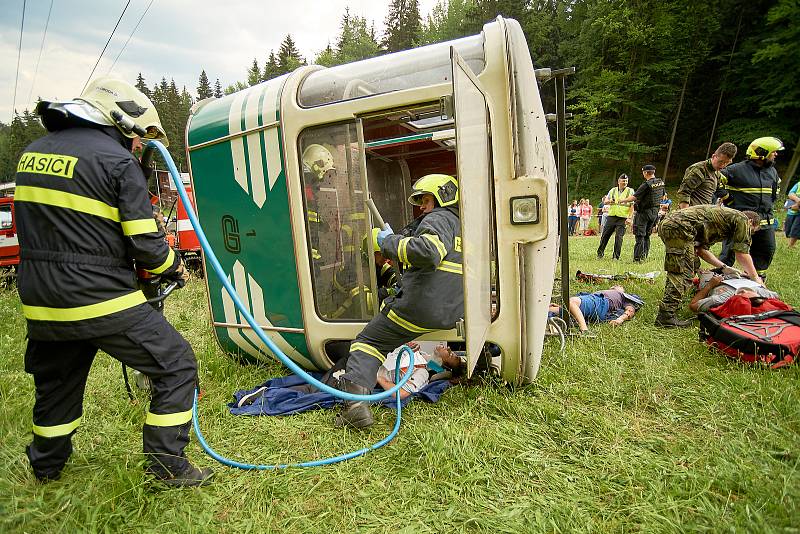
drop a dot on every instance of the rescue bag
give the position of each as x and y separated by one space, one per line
772 337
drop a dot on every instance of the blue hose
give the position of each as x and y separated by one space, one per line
211 258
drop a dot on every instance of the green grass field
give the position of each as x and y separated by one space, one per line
637 430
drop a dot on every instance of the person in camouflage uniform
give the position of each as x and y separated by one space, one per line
702 179
691 231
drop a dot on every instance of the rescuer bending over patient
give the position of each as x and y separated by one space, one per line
431 296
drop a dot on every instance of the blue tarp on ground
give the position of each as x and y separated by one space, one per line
278 399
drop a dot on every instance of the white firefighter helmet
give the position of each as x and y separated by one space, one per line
108 102
318 161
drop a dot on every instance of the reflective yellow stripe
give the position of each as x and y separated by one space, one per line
313 216
767 222
164 266
433 238
57 430
761 190
315 254
385 267
360 216
60 199
411 327
79 313
168 419
402 253
139 226
451 267
367 349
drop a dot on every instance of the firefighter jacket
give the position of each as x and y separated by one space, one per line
650 194
746 186
431 292
699 183
83 215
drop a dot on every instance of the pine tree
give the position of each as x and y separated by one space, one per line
218 89
327 57
403 26
270 67
141 85
356 41
203 87
253 74
445 21
289 57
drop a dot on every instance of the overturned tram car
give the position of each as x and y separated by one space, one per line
293 234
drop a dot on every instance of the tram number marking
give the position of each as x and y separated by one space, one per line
230 234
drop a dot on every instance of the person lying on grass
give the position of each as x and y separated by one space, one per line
715 290
424 363
611 305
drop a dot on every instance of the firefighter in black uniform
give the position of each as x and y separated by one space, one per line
647 199
84 218
752 185
431 293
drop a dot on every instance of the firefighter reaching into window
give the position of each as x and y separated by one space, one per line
431 296
84 219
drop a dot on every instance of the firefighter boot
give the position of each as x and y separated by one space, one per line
668 320
187 477
355 414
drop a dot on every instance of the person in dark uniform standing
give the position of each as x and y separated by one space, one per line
647 199
84 219
691 231
753 185
430 296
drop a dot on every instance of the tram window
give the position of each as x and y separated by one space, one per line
336 222
419 67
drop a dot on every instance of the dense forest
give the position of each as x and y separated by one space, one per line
657 81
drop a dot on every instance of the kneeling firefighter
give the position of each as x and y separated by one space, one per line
84 218
431 293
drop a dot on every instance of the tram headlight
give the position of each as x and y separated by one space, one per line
525 210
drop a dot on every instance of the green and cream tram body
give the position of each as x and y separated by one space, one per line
294 243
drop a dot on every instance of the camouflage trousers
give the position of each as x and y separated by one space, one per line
679 263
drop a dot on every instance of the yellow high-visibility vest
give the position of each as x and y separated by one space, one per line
619 210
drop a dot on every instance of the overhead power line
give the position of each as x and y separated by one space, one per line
131 35
41 47
106 46
19 54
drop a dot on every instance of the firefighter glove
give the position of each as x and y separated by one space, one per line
381 235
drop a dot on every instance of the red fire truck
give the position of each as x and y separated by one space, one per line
9 244
182 236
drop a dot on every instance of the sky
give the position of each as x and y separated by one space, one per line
176 39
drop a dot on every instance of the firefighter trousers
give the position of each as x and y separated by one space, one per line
368 351
762 250
60 370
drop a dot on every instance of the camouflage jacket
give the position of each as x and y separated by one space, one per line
706 225
699 184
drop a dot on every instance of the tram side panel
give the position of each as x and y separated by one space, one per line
242 202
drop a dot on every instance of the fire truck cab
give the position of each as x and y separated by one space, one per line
9 244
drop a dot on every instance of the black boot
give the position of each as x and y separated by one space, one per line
355 414
187 477
668 320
